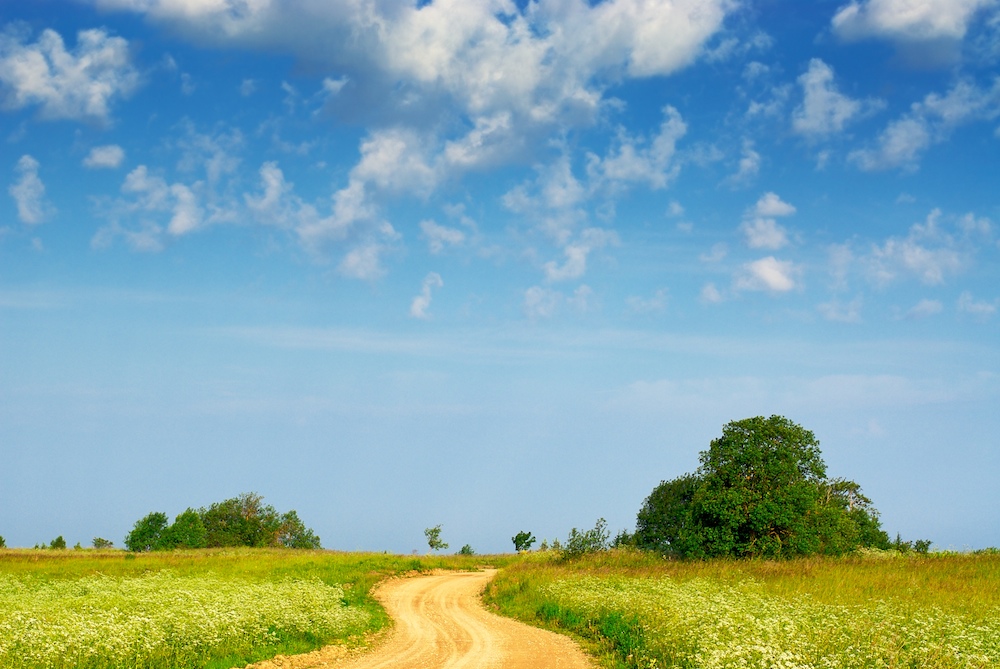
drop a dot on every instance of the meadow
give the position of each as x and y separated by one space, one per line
206 608
939 611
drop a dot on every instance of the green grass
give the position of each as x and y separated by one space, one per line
207 608
638 610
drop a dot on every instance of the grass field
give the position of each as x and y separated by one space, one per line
637 610
209 608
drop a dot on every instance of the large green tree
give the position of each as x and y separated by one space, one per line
761 491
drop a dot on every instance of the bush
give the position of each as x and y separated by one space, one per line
591 541
99 543
3 544
58 543
466 550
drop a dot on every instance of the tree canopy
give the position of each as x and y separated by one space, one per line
761 491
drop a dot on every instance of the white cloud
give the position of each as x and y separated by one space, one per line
930 121
977 309
924 309
749 165
633 163
105 157
770 204
710 294
147 238
841 312
440 236
29 192
908 20
760 228
764 233
248 87
716 254
362 263
767 274
422 302
540 302
824 109
81 84
927 252
576 253
648 305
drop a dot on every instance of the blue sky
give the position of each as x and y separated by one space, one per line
492 265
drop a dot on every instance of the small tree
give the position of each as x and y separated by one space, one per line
58 543
466 550
147 533
102 543
522 541
3 544
433 535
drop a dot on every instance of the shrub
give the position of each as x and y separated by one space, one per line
591 541
98 542
3 544
58 543
466 550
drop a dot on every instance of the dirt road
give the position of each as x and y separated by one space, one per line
441 624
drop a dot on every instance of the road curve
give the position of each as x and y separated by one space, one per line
441 624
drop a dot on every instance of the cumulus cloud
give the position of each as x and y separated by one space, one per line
759 226
105 157
767 274
824 109
749 165
422 302
929 122
907 20
81 84
29 192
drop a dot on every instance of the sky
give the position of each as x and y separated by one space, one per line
492 264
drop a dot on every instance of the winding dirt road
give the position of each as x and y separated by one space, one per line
441 624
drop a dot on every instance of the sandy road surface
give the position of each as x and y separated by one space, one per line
441 624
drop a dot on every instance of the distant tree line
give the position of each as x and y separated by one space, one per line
241 521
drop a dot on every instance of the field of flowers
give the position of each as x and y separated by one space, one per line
725 615
206 609
161 620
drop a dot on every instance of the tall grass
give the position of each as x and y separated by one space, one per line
206 608
638 610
